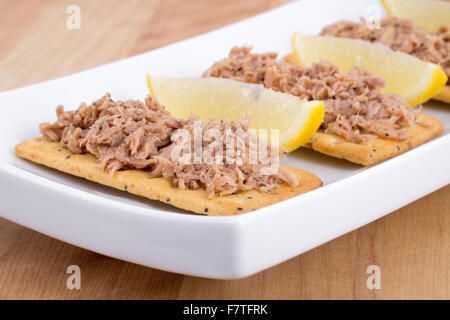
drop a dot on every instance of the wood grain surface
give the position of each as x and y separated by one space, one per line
411 245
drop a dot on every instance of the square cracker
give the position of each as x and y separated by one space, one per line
139 182
376 149
443 94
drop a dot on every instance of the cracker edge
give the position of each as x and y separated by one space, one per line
376 149
139 182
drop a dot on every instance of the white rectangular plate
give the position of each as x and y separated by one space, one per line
150 233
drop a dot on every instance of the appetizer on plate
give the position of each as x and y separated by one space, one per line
361 124
141 148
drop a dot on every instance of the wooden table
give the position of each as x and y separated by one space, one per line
411 245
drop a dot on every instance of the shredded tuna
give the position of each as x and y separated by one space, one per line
354 107
140 135
400 35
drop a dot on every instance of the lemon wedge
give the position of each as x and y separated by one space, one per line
415 80
297 120
430 14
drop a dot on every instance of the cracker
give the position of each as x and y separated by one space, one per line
376 149
139 182
443 94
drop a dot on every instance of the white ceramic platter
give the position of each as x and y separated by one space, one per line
150 233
